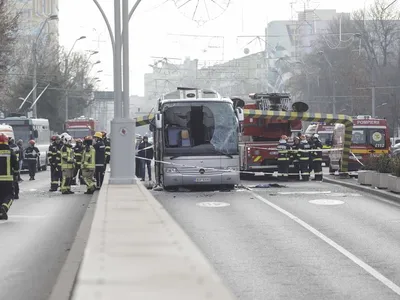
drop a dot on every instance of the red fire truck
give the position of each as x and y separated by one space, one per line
260 137
370 137
81 127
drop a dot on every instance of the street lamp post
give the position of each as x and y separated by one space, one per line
333 82
122 127
66 73
34 49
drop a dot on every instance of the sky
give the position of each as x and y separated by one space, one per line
159 28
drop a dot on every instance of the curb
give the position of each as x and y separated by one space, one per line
376 192
64 285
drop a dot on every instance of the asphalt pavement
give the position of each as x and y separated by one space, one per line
37 237
308 240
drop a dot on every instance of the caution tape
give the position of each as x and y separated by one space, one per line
275 174
356 158
302 150
150 147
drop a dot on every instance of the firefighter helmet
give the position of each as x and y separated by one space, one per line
54 138
32 142
3 139
315 136
98 134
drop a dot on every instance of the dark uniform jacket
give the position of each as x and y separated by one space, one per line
147 153
8 161
32 153
100 153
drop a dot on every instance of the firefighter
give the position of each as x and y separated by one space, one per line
55 163
8 165
32 154
15 149
107 143
283 158
317 157
67 165
294 155
310 161
78 149
100 159
304 158
88 164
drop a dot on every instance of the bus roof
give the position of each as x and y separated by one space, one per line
193 95
24 121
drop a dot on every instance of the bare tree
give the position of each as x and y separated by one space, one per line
8 35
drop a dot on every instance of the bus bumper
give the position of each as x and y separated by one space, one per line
177 179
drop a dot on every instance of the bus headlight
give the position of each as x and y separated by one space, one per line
171 170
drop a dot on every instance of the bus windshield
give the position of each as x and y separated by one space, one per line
79 133
200 128
22 132
369 136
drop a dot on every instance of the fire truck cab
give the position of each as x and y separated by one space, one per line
260 136
370 137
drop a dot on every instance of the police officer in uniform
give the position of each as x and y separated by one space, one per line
31 156
317 157
67 165
283 158
88 165
15 149
78 150
8 165
100 159
304 158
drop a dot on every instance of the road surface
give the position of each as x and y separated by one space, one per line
272 243
35 241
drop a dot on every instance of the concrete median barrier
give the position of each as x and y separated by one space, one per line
137 251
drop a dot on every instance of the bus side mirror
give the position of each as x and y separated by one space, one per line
159 123
35 134
240 114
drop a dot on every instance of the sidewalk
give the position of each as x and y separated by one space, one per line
137 251
353 184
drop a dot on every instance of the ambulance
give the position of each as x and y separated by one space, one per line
370 136
325 132
7 130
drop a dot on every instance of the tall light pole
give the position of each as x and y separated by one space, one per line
333 82
34 49
66 73
122 127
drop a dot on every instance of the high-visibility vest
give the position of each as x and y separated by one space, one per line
67 155
89 158
5 166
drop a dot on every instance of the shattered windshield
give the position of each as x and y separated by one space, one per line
201 128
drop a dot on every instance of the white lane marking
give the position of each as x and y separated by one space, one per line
212 204
305 193
326 202
390 284
344 195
